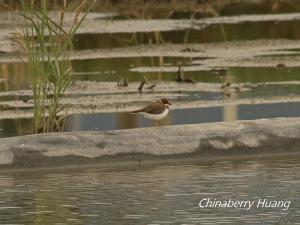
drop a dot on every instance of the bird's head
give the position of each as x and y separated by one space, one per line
165 101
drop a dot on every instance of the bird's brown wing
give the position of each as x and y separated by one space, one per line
152 108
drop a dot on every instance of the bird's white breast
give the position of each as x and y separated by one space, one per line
156 116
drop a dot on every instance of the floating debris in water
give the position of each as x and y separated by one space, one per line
191 50
151 87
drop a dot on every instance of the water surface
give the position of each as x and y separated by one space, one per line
117 121
167 194
211 33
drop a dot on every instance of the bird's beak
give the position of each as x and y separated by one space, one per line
169 103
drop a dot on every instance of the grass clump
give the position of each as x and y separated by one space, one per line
47 44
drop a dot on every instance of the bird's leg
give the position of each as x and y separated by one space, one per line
155 123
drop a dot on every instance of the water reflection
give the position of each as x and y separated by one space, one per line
110 121
230 112
127 121
114 121
150 195
15 127
13 76
212 33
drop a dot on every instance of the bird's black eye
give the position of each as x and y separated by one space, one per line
165 101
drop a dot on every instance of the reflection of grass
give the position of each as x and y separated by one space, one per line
104 66
13 76
48 46
264 74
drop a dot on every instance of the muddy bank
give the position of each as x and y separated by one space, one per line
203 57
200 142
102 97
103 23
97 23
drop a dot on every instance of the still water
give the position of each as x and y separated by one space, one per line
117 121
167 194
105 70
212 33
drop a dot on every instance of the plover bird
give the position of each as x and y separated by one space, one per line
156 110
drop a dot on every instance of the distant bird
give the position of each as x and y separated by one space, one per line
191 50
156 110
140 88
123 82
252 87
189 80
227 94
220 72
280 66
181 78
225 85
180 73
25 99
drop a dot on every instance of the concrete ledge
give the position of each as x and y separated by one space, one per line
198 142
